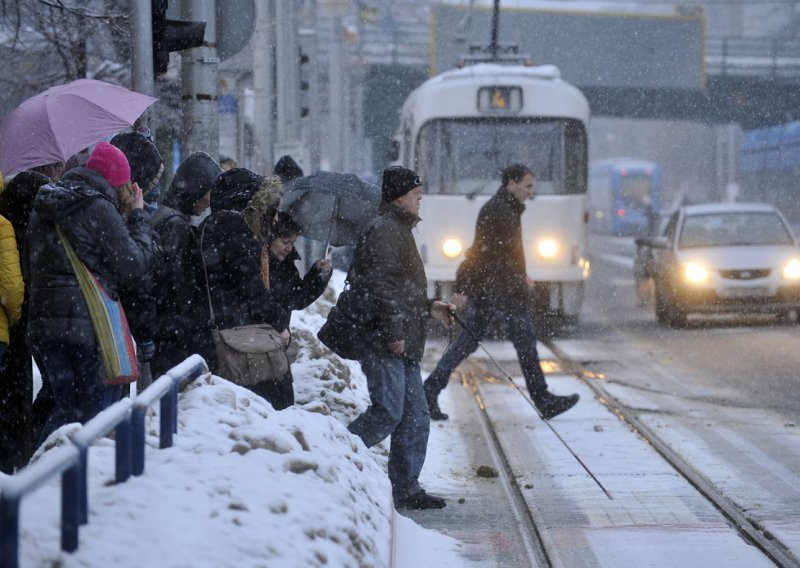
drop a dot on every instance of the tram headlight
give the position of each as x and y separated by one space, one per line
547 248
791 270
695 273
452 248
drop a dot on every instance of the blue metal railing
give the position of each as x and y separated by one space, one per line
127 418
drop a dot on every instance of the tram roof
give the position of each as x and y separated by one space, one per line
546 94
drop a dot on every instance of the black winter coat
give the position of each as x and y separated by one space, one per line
115 251
388 276
183 325
233 263
291 291
493 272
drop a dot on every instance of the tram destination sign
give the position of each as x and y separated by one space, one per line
592 49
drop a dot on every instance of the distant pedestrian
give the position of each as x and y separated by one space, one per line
100 213
287 169
227 163
18 415
53 170
493 283
183 326
243 204
388 277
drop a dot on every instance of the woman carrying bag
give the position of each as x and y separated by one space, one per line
236 262
92 217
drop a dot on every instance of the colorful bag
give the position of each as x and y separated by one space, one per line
111 331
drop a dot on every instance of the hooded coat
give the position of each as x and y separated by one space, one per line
232 255
116 251
183 325
493 272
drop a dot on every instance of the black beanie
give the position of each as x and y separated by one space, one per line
397 181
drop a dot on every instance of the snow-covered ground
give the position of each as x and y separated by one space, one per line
244 485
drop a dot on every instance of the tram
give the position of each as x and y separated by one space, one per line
624 196
459 130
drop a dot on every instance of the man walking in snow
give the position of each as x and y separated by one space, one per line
388 275
493 283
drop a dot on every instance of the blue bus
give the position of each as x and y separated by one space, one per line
623 197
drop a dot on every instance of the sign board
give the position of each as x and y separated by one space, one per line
236 22
592 49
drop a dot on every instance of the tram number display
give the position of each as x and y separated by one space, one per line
500 99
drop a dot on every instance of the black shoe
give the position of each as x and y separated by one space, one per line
553 405
433 407
420 500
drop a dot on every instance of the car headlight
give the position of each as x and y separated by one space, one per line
695 273
547 248
791 270
452 248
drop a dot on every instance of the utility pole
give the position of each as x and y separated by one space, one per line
142 54
199 83
263 80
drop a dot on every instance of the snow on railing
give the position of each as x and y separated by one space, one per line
127 418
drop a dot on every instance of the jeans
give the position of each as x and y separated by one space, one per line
519 330
397 408
79 393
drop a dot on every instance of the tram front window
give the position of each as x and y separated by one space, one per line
466 157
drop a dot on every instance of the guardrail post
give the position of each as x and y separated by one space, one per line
175 391
82 485
137 439
9 531
122 438
167 409
74 507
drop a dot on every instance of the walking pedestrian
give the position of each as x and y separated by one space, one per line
387 274
100 213
494 285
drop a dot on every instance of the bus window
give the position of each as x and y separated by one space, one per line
467 156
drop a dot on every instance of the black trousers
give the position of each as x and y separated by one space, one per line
280 394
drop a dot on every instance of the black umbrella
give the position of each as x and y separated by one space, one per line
331 207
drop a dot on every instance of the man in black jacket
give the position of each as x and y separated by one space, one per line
493 277
388 275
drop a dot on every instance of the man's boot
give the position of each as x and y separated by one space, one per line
551 405
433 406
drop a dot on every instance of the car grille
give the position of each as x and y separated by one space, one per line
744 274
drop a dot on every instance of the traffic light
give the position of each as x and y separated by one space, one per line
303 60
172 35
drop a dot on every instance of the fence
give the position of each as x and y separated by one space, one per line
127 418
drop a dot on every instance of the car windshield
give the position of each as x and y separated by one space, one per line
734 229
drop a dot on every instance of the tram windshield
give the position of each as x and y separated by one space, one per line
467 156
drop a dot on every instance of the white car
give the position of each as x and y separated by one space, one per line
723 257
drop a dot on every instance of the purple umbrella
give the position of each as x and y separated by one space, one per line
53 125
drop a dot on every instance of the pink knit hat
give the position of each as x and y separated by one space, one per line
111 163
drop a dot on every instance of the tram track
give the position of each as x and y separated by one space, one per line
526 526
748 528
